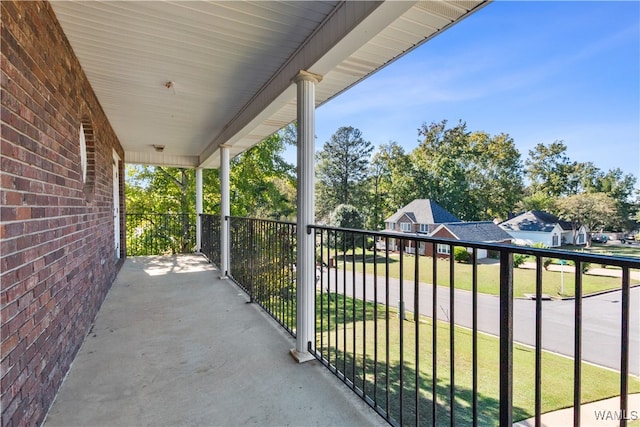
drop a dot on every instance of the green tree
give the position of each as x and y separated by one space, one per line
494 174
390 183
262 182
550 170
342 171
472 174
537 202
346 216
593 210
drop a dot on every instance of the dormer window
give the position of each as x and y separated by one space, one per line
405 226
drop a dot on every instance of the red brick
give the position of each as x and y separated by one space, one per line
46 218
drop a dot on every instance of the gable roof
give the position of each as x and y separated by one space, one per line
476 231
535 221
424 211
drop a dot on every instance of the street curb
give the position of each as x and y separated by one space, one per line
595 294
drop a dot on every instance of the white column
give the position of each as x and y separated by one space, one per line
305 271
225 211
198 209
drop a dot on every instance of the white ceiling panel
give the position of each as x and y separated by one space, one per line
192 75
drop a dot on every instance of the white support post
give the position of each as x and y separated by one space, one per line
198 209
305 271
225 211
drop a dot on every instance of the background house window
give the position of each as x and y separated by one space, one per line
554 240
405 226
444 249
424 228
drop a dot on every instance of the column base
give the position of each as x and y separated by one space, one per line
301 357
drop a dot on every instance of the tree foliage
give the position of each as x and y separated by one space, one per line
593 210
549 168
342 171
346 216
472 174
390 184
554 175
262 182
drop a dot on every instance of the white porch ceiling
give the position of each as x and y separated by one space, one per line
230 63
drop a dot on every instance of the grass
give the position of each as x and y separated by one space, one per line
615 250
350 344
553 282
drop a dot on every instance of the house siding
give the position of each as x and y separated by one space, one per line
442 233
58 258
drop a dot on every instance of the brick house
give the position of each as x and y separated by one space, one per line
420 216
78 100
473 231
61 205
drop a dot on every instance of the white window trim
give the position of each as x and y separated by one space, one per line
444 249
405 226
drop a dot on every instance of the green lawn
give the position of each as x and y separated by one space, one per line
616 250
360 358
553 282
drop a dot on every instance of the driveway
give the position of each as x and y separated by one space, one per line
600 316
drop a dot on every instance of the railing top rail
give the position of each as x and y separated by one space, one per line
160 213
614 260
273 221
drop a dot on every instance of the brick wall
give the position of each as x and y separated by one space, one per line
57 258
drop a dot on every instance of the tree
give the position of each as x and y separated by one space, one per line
262 183
471 174
537 202
341 171
389 183
593 210
494 174
346 216
549 169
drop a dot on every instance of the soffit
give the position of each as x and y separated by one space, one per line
230 64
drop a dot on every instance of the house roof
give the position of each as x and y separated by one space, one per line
535 221
424 211
476 231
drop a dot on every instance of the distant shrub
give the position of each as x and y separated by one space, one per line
519 259
460 254
539 245
546 263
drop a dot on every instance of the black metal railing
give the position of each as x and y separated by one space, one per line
160 234
210 238
263 263
427 340
396 330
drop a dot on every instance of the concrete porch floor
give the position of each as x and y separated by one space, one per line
175 345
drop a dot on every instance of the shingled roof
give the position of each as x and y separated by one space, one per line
477 231
534 221
424 211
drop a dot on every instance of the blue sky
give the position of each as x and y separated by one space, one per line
539 71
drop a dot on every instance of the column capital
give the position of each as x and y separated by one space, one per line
307 76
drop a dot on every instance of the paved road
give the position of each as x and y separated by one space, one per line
600 329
